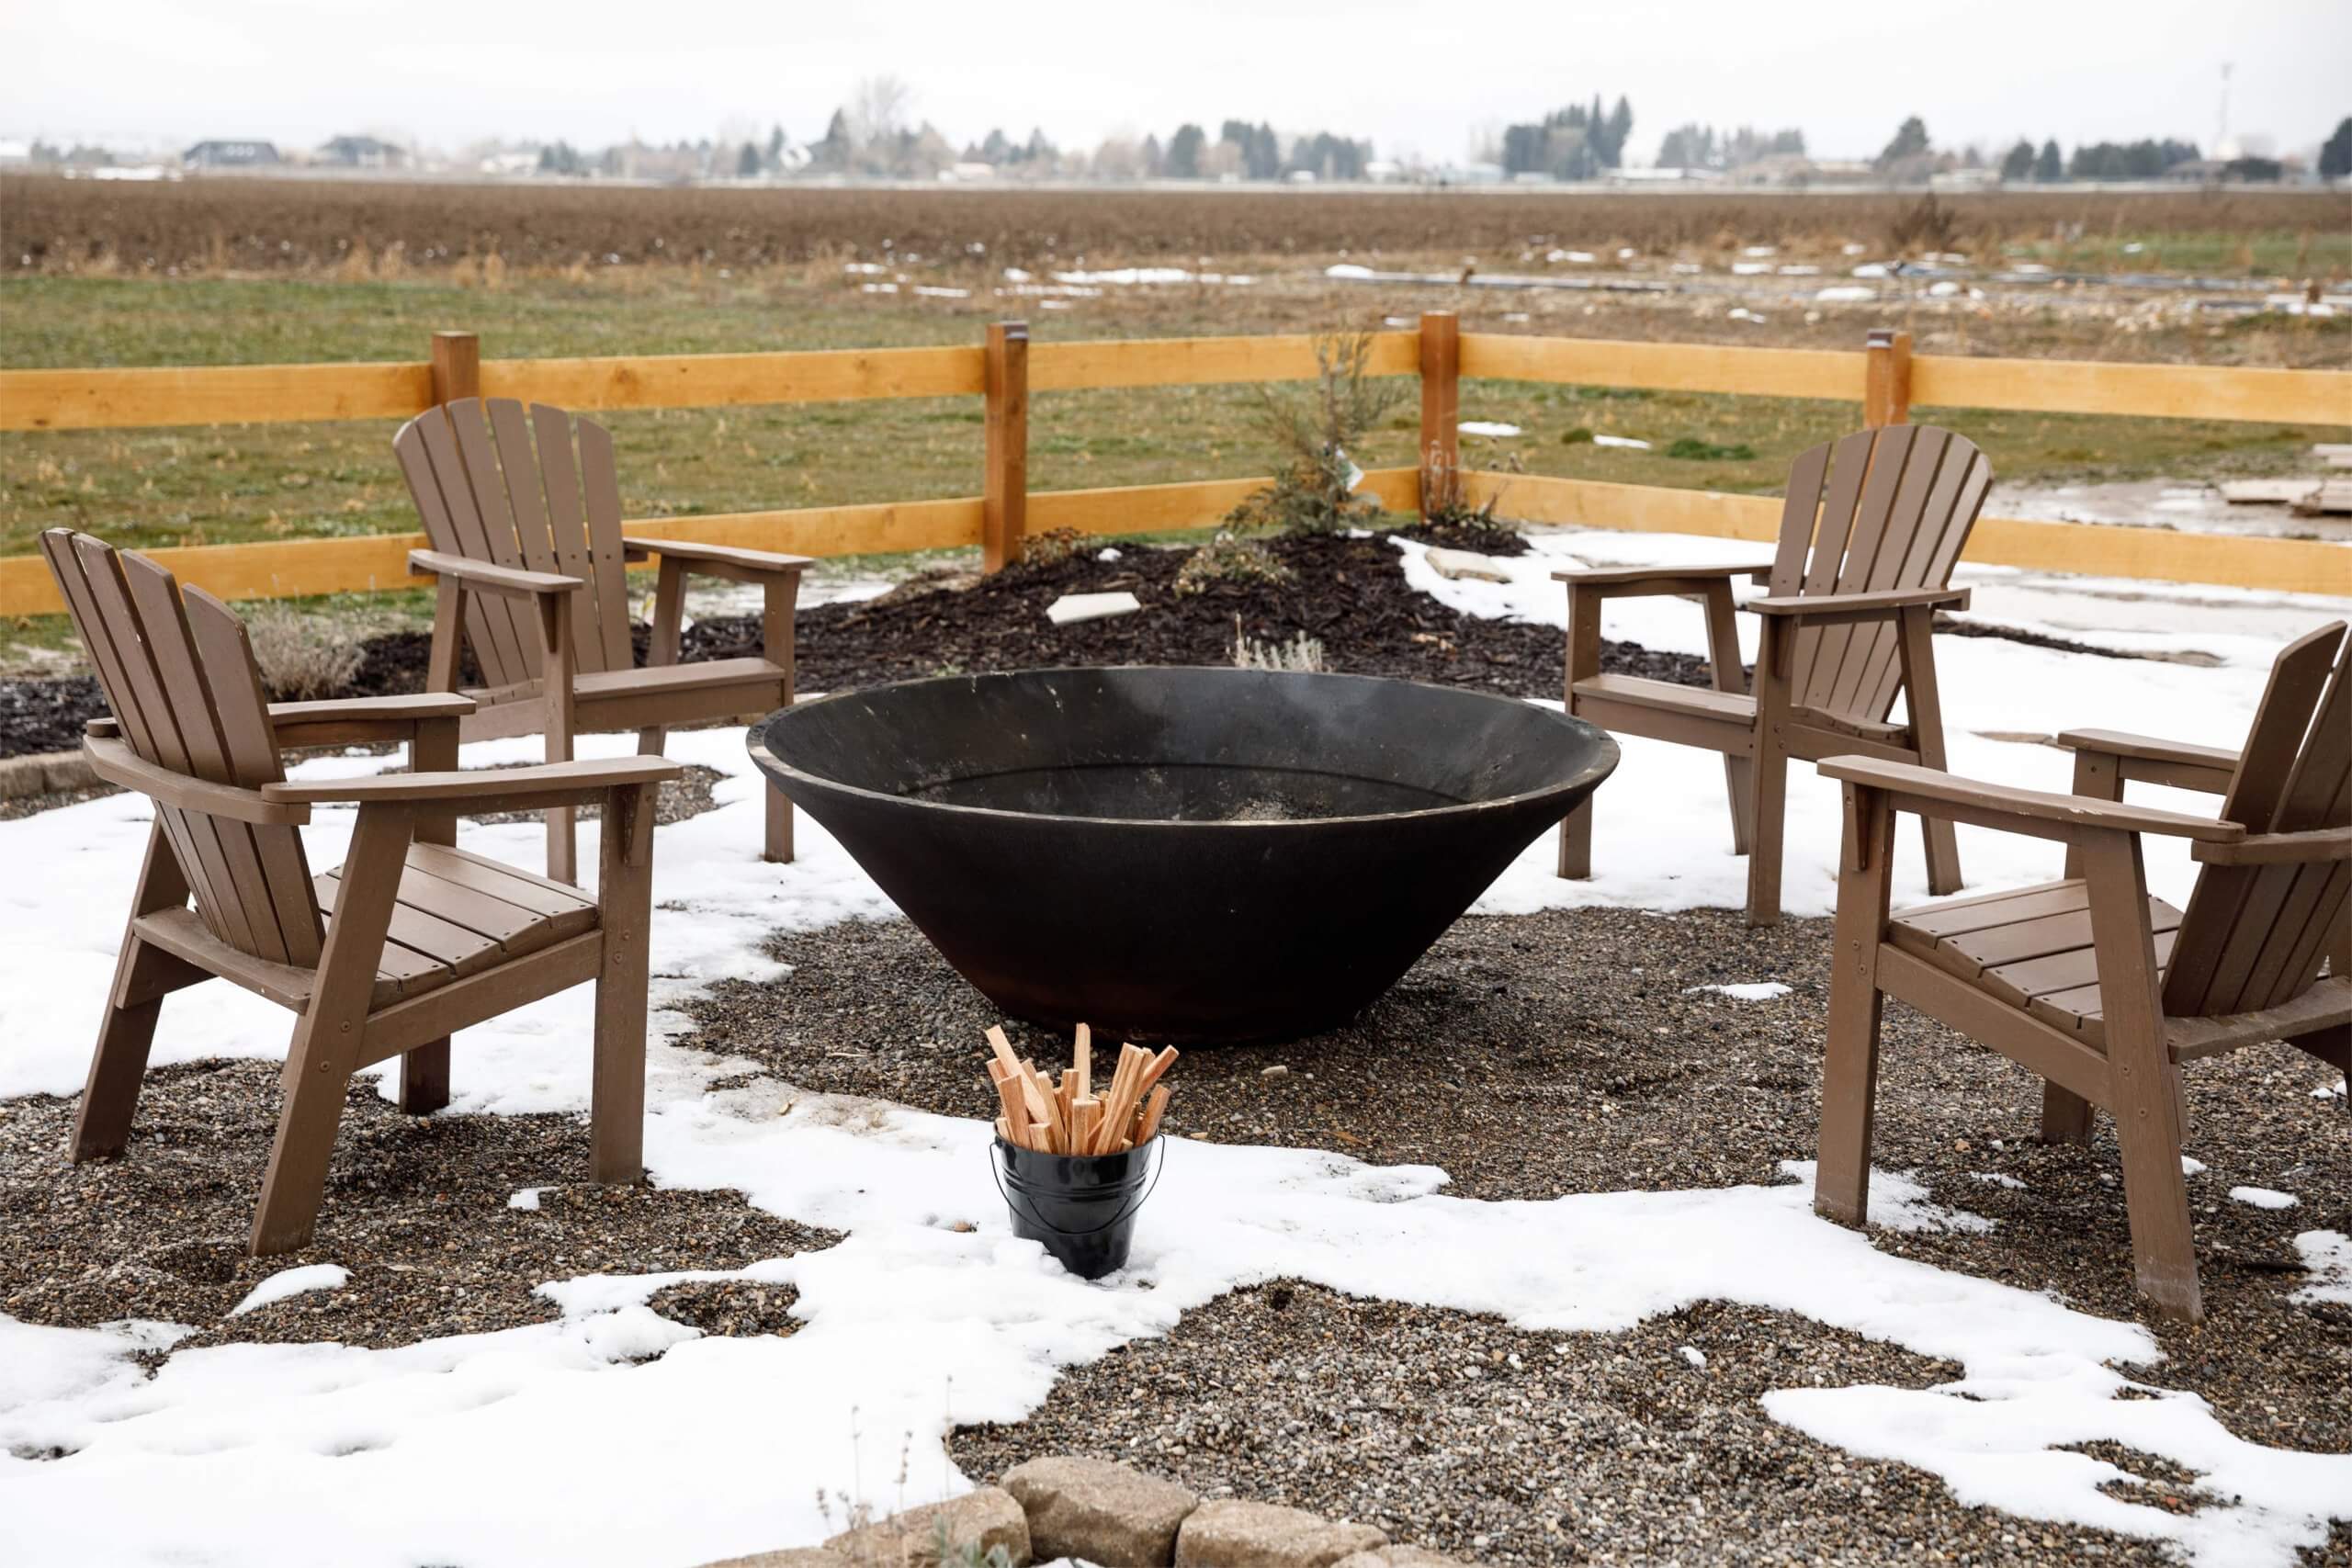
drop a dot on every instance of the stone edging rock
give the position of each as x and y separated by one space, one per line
48 772
1104 1512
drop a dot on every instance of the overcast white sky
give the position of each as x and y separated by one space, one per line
1416 75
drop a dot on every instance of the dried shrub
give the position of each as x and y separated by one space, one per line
1053 546
1230 560
1301 654
303 657
1926 225
1315 480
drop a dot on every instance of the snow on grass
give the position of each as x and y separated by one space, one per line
2328 1255
1841 293
2263 1197
1746 991
913 1325
1488 427
288 1283
1630 444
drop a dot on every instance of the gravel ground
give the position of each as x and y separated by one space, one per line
415 1208
1578 1058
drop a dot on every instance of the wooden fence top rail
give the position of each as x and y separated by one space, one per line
254 394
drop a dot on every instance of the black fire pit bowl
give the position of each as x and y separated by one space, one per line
1196 855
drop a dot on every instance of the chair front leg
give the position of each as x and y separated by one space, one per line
1771 788
1916 644
1841 1186
624 903
1723 658
661 650
775 641
2141 1076
1582 662
556 667
332 1030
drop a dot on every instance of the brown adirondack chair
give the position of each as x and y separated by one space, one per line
1845 628
2088 981
411 938
525 517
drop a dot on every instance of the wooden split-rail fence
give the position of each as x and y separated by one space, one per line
1884 376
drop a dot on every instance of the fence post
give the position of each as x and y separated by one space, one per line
1886 378
456 366
1005 499
1441 456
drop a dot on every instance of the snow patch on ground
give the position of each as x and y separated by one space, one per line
290 1282
1749 991
2264 1196
1488 427
2328 1255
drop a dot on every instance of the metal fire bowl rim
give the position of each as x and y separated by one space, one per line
1600 763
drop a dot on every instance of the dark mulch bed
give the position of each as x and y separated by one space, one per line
1349 592
416 1210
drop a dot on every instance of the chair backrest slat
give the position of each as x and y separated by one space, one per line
600 480
1882 509
2252 935
191 708
534 489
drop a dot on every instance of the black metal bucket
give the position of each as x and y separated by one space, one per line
1083 1207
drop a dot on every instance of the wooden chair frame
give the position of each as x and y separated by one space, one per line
185 691
1869 535
2150 1004
522 507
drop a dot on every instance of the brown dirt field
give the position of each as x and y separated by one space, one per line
290 225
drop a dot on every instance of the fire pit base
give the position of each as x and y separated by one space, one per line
1187 855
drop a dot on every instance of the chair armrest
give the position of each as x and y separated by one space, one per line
1885 605
1610 576
484 789
2041 813
484 577
108 728
2157 761
340 721
716 560
116 762
2318 846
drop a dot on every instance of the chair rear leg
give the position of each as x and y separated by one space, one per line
296 1182
1943 856
425 1078
2066 1116
111 1094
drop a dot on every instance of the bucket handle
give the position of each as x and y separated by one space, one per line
1128 1213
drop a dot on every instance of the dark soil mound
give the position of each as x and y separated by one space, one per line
1347 592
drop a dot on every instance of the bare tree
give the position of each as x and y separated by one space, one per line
878 108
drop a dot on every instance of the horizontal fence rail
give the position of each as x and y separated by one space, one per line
1884 378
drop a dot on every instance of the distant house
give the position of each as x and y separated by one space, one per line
363 152
230 155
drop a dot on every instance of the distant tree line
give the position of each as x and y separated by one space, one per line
1704 147
1574 144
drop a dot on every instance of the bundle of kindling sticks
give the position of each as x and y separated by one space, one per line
1067 1116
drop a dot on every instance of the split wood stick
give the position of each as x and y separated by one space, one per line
1051 1114
1156 1107
1158 1068
1003 1048
1009 1096
1086 1124
1082 1061
1041 1137
1122 1088
1068 1094
1004 1128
